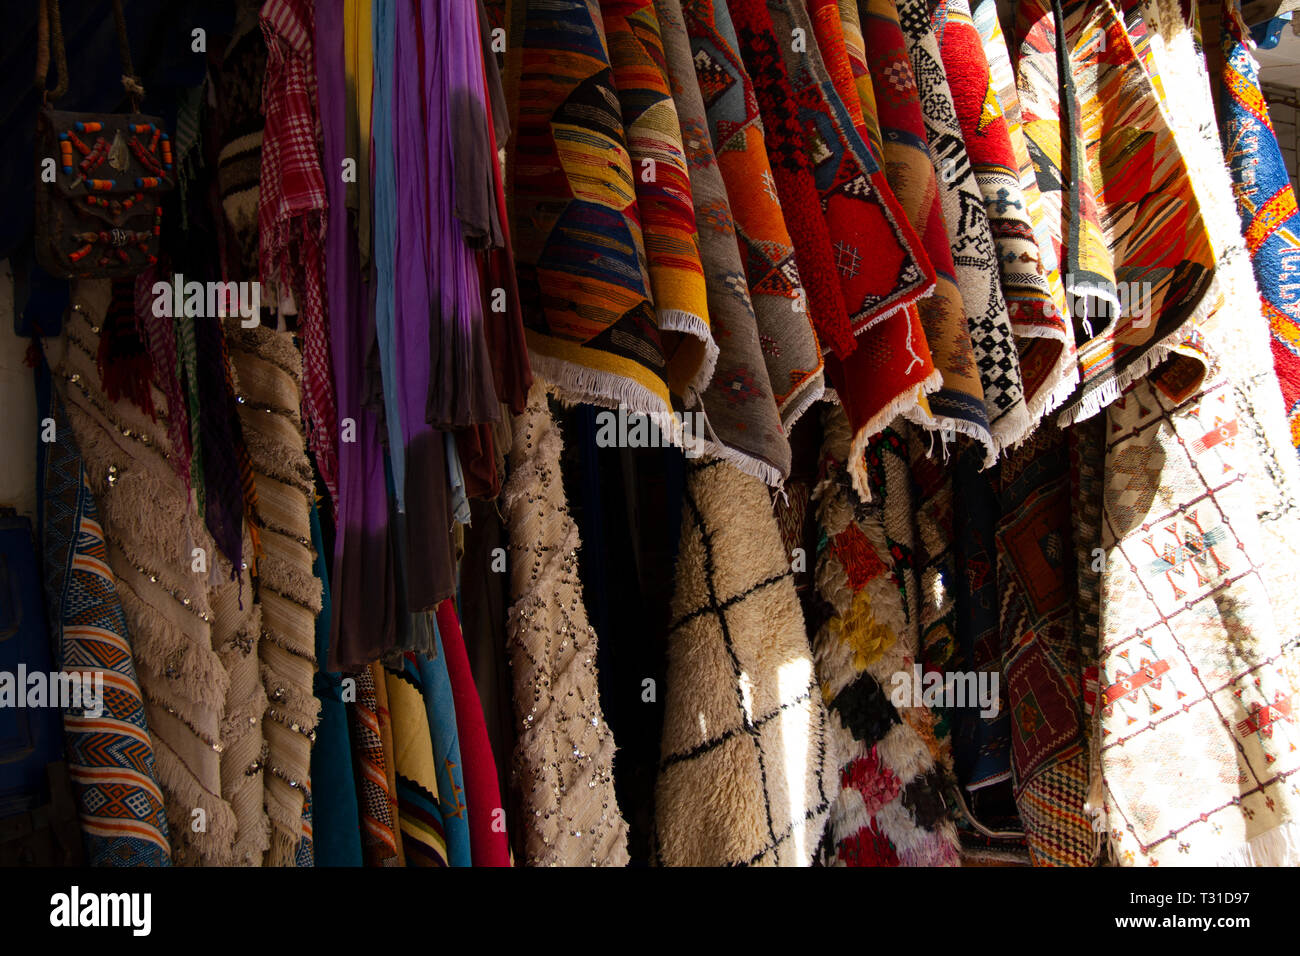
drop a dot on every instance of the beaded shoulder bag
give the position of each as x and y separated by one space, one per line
99 176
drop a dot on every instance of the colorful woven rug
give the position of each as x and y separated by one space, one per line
379 826
1040 656
741 410
889 810
747 772
1025 281
1037 86
958 405
1237 332
881 263
833 48
1118 252
898 389
797 199
663 192
589 321
973 252
795 369
1267 203
1199 757
419 815
811 135
1049 366
855 47
110 756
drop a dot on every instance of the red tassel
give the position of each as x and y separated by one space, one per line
125 366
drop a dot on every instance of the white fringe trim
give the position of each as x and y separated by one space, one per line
1279 846
959 426
1049 399
1109 392
1076 292
1038 332
769 474
1014 426
814 391
688 323
871 324
576 384
879 422
714 447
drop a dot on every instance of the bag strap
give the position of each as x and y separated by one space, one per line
49 41
49 37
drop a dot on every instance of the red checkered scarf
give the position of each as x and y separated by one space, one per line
291 211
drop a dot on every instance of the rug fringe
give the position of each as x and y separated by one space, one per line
1109 392
1279 846
879 422
911 301
813 393
1012 428
959 426
1049 400
688 323
577 385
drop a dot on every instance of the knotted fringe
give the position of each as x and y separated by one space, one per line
1279 846
575 384
686 323
901 405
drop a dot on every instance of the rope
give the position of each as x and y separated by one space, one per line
130 82
49 39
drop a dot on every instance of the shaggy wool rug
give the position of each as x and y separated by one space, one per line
747 771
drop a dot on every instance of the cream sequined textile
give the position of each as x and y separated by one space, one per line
565 750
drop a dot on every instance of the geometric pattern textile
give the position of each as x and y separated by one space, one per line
959 404
1199 747
747 770
889 810
794 362
969 235
987 134
1267 203
110 756
580 256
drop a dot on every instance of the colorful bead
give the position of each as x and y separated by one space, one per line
146 158
100 184
79 254
147 182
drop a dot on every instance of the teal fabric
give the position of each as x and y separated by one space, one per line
446 751
383 172
337 823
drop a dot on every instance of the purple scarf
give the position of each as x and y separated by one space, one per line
463 392
363 625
